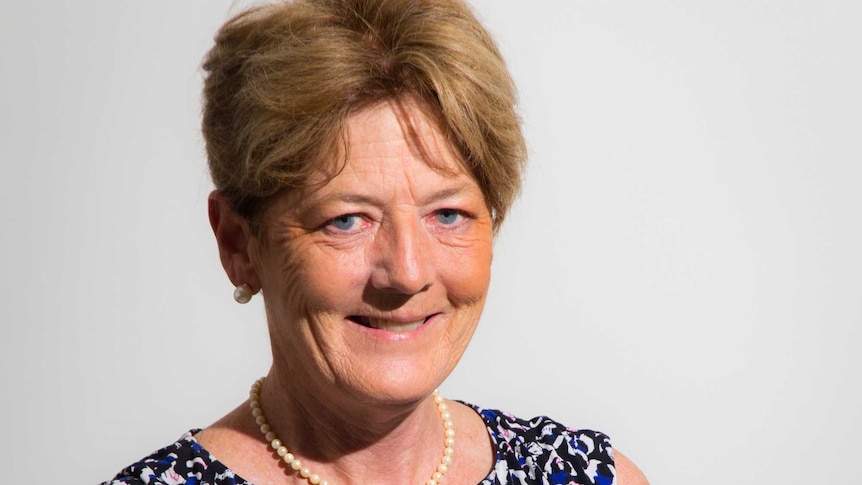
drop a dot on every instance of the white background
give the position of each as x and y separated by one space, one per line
682 271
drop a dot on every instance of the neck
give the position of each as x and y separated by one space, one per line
354 442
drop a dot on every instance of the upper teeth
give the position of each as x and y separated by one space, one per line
391 326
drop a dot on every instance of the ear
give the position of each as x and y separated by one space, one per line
234 240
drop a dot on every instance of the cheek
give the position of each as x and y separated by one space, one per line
282 286
467 274
320 281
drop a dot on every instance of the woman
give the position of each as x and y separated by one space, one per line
364 152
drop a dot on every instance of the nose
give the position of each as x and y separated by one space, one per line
403 252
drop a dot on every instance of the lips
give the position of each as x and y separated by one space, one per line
399 326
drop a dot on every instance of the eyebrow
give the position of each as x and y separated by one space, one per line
351 198
354 198
445 194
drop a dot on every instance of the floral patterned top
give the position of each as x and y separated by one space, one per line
539 451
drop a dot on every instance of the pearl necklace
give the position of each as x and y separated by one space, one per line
295 464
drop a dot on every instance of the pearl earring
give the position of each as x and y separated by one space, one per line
242 293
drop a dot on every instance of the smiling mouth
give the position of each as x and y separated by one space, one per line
387 325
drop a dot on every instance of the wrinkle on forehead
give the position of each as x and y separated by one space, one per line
434 150
414 121
404 123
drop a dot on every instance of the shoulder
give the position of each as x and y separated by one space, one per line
627 472
183 461
541 446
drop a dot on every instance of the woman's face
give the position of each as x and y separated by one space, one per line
374 281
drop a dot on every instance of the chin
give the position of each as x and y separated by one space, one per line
398 384
395 381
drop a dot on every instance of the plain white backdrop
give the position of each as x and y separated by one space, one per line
683 270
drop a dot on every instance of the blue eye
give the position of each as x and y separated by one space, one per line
448 216
344 222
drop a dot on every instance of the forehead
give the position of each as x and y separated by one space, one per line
388 139
392 153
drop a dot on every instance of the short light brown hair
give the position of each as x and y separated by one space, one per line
282 79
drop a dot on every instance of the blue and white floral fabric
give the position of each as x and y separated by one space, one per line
539 451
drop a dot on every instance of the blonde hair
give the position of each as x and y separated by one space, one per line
282 79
